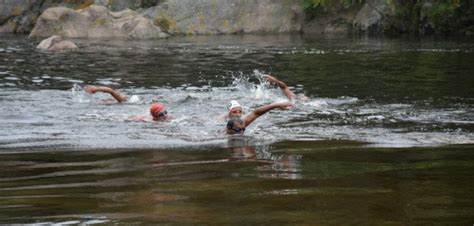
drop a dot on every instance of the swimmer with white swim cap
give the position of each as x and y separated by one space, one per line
234 109
237 125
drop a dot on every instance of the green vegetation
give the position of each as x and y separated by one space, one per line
163 23
443 10
415 15
408 16
313 4
312 8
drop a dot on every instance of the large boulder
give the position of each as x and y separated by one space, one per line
8 27
16 16
334 19
95 22
227 16
372 16
56 43
19 16
12 8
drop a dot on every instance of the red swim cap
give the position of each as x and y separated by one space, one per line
156 108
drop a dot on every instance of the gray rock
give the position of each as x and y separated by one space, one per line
371 15
8 27
47 43
56 43
63 45
95 22
335 28
226 16
12 8
15 14
19 16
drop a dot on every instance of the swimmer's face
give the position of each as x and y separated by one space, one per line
235 112
160 115
237 128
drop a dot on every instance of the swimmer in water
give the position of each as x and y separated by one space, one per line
158 110
104 89
237 125
236 110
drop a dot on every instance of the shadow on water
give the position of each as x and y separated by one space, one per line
294 182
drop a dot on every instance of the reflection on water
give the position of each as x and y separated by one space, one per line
285 166
249 181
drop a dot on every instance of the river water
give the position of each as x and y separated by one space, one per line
385 138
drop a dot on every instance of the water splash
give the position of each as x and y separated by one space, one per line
77 119
195 109
78 94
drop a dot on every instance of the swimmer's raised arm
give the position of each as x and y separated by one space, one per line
284 88
250 117
104 89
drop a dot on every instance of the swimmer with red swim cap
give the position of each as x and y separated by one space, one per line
158 113
158 110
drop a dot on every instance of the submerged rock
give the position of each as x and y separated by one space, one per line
56 43
95 22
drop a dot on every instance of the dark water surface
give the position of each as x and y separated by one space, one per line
386 138
299 182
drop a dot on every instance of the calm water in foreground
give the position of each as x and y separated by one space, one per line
386 138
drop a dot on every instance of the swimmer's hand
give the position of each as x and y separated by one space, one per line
270 78
284 105
91 89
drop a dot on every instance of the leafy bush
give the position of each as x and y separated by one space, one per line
313 4
314 7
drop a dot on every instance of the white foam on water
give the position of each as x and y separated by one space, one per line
78 119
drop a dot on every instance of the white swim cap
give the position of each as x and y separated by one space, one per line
233 104
133 99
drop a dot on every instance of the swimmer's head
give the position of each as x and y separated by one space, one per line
235 109
235 126
158 111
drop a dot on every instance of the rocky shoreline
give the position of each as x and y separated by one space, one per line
151 19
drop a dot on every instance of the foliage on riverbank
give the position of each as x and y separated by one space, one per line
314 7
414 17
423 17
